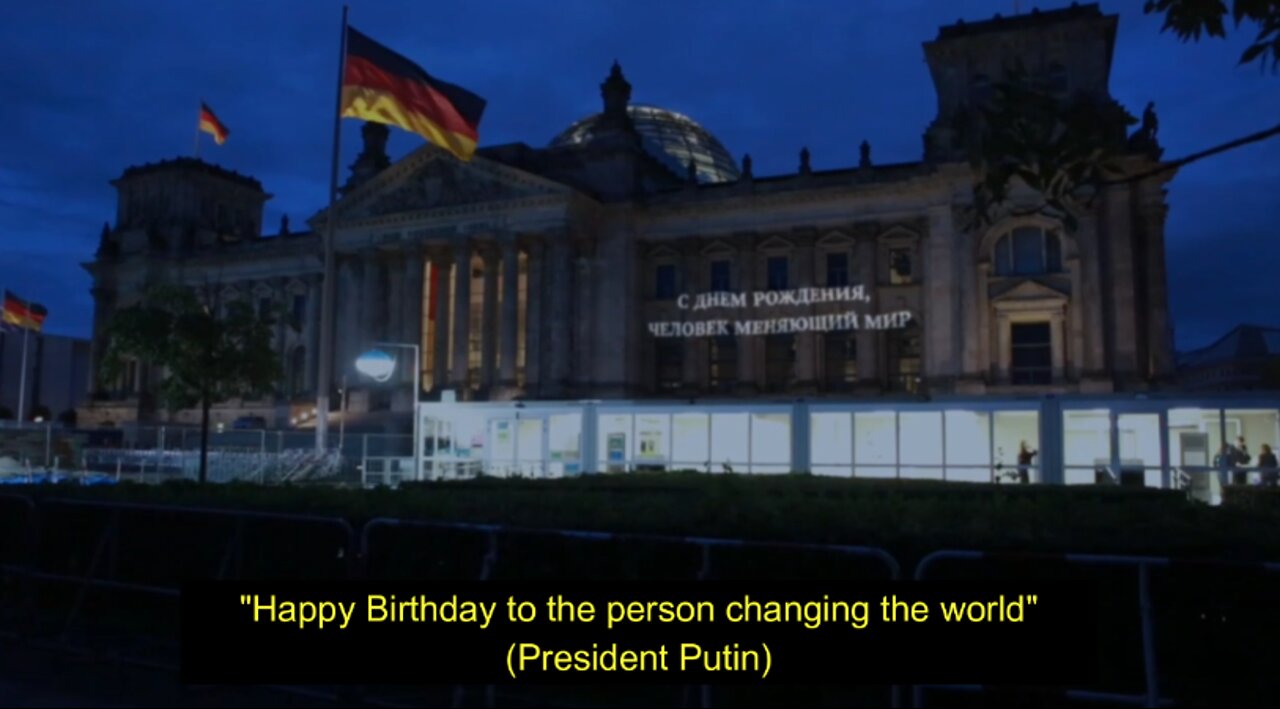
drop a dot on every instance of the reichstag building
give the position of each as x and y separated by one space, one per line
634 256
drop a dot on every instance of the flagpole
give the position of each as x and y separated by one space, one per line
198 119
22 380
327 297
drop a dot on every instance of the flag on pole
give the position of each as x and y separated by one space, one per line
382 86
20 313
210 124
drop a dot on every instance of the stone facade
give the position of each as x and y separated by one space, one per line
533 272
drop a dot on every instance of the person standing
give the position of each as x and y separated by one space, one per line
1026 457
1267 465
1240 461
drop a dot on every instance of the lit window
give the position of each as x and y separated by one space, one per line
904 359
900 266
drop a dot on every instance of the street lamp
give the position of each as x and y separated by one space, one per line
379 366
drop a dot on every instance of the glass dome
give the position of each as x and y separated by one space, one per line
671 137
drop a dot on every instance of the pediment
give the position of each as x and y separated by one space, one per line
431 179
1027 291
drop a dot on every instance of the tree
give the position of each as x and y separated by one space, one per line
207 353
1066 148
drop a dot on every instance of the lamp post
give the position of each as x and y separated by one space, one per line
379 366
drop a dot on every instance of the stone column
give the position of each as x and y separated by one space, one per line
1056 345
461 315
1074 334
533 345
440 376
1004 356
510 312
806 342
695 368
281 316
748 374
347 320
868 341
941 301
392 300
371 300
311 328
580 369
489 323
411 308
560 324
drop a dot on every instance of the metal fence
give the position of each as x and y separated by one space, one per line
160 453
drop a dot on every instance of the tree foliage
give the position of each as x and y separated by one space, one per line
1055 145
206 353
1192 19
1065 147
206 356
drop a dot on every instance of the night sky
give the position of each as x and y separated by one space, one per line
91 91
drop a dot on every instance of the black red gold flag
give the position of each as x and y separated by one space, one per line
21 313
382 86
210 124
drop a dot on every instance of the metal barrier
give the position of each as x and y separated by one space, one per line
1142 565
98 574
706 545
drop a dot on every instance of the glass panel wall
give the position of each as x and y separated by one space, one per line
1195 437
771 443
1016 438
920 444
1086 445
1139 436
831 443
564 435
1248 430
729 449
691 442
875 444
968 446
651 448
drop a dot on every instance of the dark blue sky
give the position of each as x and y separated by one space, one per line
90 91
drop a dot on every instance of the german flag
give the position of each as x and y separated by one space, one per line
20 313
381 86
210 124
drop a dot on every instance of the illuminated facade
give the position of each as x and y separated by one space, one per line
535 273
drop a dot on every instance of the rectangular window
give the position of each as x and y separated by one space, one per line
777 272
900 272
841 351
669 364
904 359
664 282
780 357
721 280
264 307
837 269
299 309
1031 355
723 363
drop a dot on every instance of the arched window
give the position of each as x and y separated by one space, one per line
1028 251
297 370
